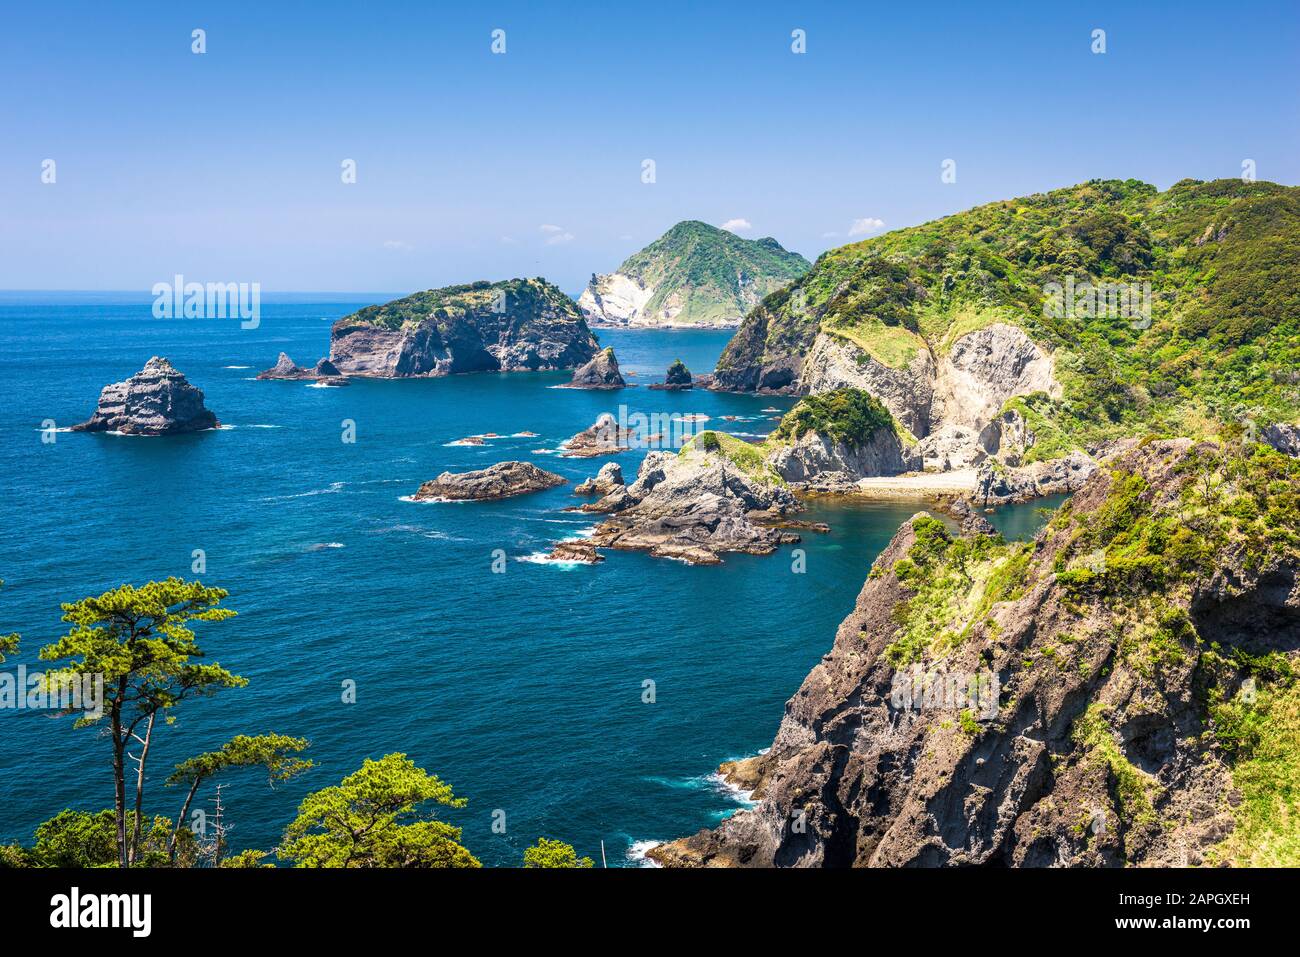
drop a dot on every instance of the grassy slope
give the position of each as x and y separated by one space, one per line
702 263
1222 258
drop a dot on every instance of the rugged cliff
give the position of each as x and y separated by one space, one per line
693 275
510 326
1120 308
1120 691
831 440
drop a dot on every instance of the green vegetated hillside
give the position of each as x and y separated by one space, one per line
524 297
717 274
1222 259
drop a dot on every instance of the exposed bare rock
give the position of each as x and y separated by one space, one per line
907 393
604 437
608 479
503 480
510 326
950 448
600 373
823 463
324 373
983 370
695 506
1092 744
1283 437
576 551
285 368
157 400
997 484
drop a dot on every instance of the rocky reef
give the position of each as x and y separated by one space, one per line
324 372
510 326
157 400
608 479
603 437
1117 692
503 480
697 505
600 373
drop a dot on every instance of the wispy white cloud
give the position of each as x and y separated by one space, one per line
556 235
868 224
831 235
735 225
398 245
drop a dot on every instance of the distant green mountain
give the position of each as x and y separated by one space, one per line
694 274
1135 311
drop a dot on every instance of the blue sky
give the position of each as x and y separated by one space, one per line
226 166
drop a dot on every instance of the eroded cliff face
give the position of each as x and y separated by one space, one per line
822 462
511 326
1125 659
908 393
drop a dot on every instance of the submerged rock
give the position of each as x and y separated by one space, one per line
503 480
157 400
600 373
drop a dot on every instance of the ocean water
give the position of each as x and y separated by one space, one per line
522 689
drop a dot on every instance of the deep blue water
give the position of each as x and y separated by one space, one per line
523 690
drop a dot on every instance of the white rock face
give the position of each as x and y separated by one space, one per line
983 370
821 461
907 393
616 299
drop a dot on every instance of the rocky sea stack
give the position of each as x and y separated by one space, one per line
157 400
510 326
600 373
1118 692
603 437
677 377
325 372
503 480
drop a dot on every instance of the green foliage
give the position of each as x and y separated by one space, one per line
451 304
141 643
246 859
1221 259
86 839
1134 790
8 643
375 818
549 853
1232 501
704 269
852 416
270 751
954 581
744 456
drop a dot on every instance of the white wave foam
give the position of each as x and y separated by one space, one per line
637 852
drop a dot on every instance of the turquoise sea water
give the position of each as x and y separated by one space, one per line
523 689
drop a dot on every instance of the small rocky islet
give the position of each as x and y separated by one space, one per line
157 400
503 480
